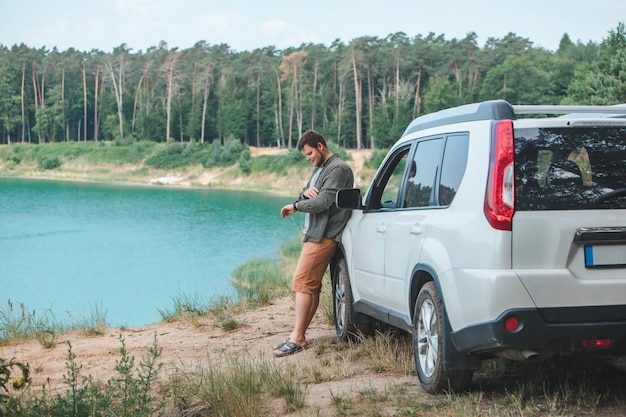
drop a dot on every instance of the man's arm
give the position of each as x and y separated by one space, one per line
335 179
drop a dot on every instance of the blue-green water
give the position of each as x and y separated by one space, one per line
70 248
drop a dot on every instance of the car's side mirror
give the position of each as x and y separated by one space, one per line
349 199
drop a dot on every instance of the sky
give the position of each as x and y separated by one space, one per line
246 25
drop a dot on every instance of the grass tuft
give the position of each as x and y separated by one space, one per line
237 386
19 323
93 325
186 307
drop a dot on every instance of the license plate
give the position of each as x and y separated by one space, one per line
605 256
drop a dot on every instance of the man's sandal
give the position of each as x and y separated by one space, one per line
289 348
281 344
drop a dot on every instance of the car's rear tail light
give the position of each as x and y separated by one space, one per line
499 196
596 343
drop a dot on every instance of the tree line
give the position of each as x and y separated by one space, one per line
359 94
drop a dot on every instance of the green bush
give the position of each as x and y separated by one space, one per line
175 148
292 248
129 151
120 154
129 140
221 156
189 150
278 163
14 377
339 150
374 161
169 157
259 279
48 162
244 159
129 393
213 154
8 155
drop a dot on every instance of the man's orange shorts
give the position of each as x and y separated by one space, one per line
312 264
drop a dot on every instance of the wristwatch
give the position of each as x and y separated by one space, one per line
294 206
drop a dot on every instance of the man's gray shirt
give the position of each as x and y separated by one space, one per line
325 218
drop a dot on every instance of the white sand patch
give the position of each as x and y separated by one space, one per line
169 180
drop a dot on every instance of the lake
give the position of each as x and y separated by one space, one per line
70 249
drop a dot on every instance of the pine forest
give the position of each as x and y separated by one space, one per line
360 94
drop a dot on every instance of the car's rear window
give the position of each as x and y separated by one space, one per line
576 168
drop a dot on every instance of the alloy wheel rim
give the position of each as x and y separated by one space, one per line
427 338
340 301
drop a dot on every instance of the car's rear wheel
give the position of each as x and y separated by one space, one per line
428 348
342 301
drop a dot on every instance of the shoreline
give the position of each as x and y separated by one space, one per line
188 179
197 177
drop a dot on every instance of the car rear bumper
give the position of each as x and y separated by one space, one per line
564 330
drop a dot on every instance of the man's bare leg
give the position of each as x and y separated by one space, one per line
306 306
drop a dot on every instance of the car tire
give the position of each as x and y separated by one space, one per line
428 336
343 315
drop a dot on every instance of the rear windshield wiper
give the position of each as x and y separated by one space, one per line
613 194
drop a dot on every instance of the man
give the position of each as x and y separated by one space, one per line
323 225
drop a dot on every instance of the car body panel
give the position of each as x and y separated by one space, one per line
406 233
364 238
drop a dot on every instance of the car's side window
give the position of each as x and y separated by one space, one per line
422 178
453 168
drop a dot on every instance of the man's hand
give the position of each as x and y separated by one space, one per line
311 192
287 210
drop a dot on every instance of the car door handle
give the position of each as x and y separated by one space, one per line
381 228
416 229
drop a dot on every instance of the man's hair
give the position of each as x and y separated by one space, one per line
311 138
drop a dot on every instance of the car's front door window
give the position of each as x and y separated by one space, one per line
387 190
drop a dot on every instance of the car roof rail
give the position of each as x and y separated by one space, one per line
486 110
619 109
501 110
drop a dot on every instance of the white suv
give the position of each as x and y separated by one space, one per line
487 235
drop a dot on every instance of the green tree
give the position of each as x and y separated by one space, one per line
49 117
604 81
292 72
518 80
441 92
9 98
262 84
358 95
195 65
116 67
148 121
231 114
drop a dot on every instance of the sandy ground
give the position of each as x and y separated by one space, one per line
185 346
183 343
